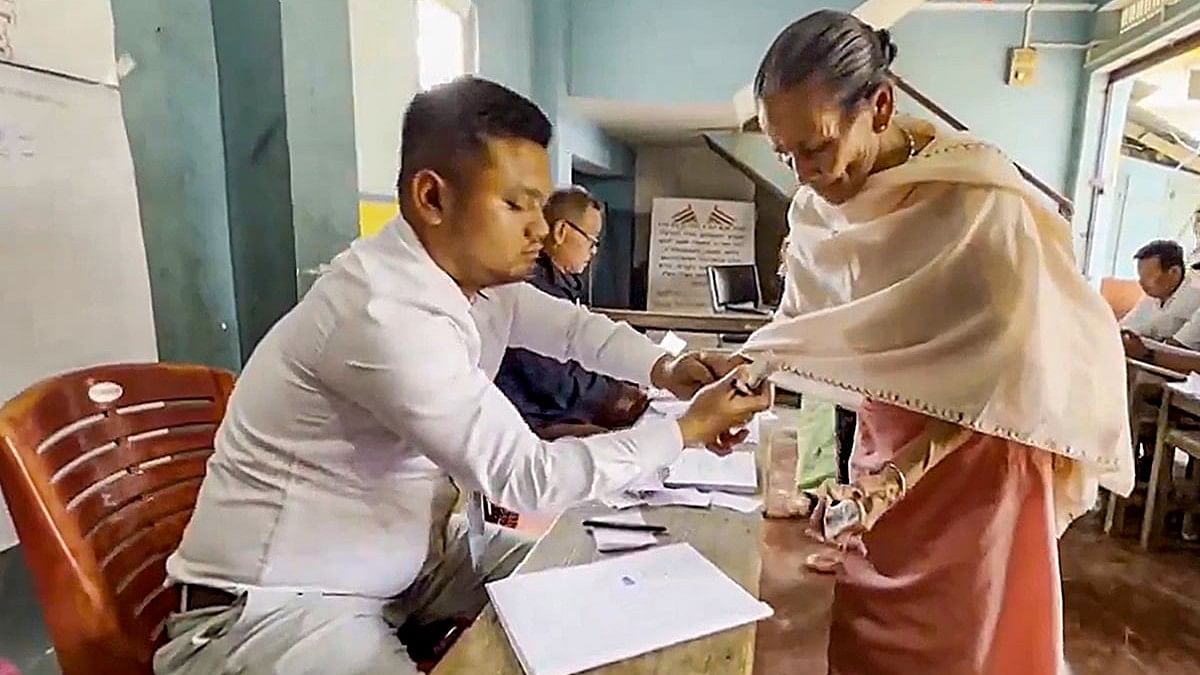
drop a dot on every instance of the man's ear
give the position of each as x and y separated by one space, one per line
558 232
432 195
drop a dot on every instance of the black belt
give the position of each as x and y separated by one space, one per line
195 596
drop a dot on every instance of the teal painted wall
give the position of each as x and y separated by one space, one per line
249 42
319 97
172 112
240 118
702 51
961 60
675 51
505 48
574 136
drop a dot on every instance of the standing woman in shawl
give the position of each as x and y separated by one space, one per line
927 283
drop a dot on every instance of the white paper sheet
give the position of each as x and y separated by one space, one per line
740 503
677 497
613 540
735 472
618 608
673 343
623 500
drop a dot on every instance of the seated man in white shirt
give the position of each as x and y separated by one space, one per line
1169 311
366 409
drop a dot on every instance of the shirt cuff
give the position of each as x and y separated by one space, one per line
658 443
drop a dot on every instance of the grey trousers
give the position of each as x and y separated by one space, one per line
283 633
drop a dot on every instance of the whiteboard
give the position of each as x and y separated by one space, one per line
688 235
74 37
74 285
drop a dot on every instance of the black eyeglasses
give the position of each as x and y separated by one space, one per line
594 241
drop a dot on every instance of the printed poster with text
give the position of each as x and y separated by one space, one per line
688 235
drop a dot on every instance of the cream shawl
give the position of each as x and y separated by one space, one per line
949 288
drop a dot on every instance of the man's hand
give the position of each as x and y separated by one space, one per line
721 363
682 375
718 408
1134 347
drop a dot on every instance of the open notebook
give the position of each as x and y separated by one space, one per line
570 619
736 472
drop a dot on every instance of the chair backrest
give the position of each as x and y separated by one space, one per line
1121 294
100 469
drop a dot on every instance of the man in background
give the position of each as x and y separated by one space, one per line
1168 312
556 398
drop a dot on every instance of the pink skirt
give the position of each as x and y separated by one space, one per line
961 576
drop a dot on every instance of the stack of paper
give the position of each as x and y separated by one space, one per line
736 472
572 619
611 540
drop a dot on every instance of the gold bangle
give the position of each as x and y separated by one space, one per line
900 477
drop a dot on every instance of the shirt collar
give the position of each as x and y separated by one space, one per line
1188 279
437 284
557 277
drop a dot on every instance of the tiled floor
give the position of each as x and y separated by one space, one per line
23 640
1127 613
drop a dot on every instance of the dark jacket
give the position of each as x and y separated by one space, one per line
546 391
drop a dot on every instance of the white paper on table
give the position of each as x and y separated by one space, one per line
611 540
648 483
740 503
622 500
677 497
735 472
618 608
673 343
1192 384
756 425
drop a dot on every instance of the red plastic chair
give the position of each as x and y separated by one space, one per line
100 469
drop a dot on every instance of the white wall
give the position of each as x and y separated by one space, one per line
73 279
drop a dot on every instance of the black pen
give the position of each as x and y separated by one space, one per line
635 527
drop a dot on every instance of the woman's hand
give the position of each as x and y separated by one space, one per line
838 524
718 409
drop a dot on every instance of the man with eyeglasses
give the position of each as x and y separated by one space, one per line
563 399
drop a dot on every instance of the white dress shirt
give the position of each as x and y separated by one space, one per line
1177 318
356 406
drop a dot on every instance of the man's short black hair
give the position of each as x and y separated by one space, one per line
569 203
446 127
1168 253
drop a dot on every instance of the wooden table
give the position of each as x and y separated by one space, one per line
1143 379
1176 400
727 538
691 323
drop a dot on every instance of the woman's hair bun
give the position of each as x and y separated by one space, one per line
886 46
